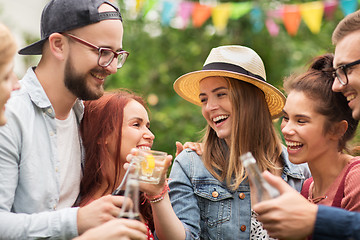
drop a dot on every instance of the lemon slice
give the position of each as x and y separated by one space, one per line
150 161
148 165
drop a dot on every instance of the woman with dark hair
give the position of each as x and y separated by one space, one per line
111 127
317 125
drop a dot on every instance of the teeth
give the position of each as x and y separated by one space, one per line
218 118
143 147
97 76
293 144
350 97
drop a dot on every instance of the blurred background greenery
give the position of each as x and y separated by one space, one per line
160 54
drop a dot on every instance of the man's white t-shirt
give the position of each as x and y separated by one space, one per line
69 157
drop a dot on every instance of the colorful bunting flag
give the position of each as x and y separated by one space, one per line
291 19
312 14
240 9
220 16
348 6
168 12
256 17
185 10
330 7
290 15
200 14
149 4
272 27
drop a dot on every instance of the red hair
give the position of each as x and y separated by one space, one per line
101 118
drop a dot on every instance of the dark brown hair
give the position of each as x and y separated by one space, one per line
316 83
349 24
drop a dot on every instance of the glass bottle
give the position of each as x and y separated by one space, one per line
263 190
130 206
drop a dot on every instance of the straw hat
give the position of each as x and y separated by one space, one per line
237 62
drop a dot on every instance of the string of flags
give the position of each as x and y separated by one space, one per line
196 14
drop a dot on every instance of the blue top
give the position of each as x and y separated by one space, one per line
336 223
207 208
29 180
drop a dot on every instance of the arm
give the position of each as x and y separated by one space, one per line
167 224
183 199
24 215
336 223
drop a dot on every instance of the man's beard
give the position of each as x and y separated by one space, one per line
76 83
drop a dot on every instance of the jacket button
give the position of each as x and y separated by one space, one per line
215 194
242 196
243 228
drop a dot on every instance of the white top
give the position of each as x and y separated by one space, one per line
69 157
257 231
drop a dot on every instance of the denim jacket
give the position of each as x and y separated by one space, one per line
29 176
207 208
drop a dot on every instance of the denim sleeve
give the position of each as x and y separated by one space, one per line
60 224
336 223
183 199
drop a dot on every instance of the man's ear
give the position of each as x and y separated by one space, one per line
57 45
339 129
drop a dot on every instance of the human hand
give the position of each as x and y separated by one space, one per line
98 212
195 146
116 229
289 216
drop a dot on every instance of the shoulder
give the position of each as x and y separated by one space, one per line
188 156
190 163
299 171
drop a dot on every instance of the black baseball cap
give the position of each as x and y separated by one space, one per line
64 15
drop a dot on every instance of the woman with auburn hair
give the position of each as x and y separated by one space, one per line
111 127
210 197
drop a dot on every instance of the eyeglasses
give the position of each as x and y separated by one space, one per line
106 55
341 74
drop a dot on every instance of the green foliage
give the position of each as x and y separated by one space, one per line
161 54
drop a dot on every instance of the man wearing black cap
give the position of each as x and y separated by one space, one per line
40 147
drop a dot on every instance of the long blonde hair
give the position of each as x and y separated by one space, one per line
8 46
252 130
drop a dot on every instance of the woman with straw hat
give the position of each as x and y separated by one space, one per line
210 195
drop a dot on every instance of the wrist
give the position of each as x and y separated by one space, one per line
160 196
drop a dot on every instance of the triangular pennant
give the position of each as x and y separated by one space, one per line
348 6
185 10
256 17
291 19
312 14
149 4
272 27
200 14
220 16
240 9
168 12
277 13
139 5
330 7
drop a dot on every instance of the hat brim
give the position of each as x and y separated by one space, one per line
33 49
187 86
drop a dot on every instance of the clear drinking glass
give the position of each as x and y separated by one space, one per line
150 164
